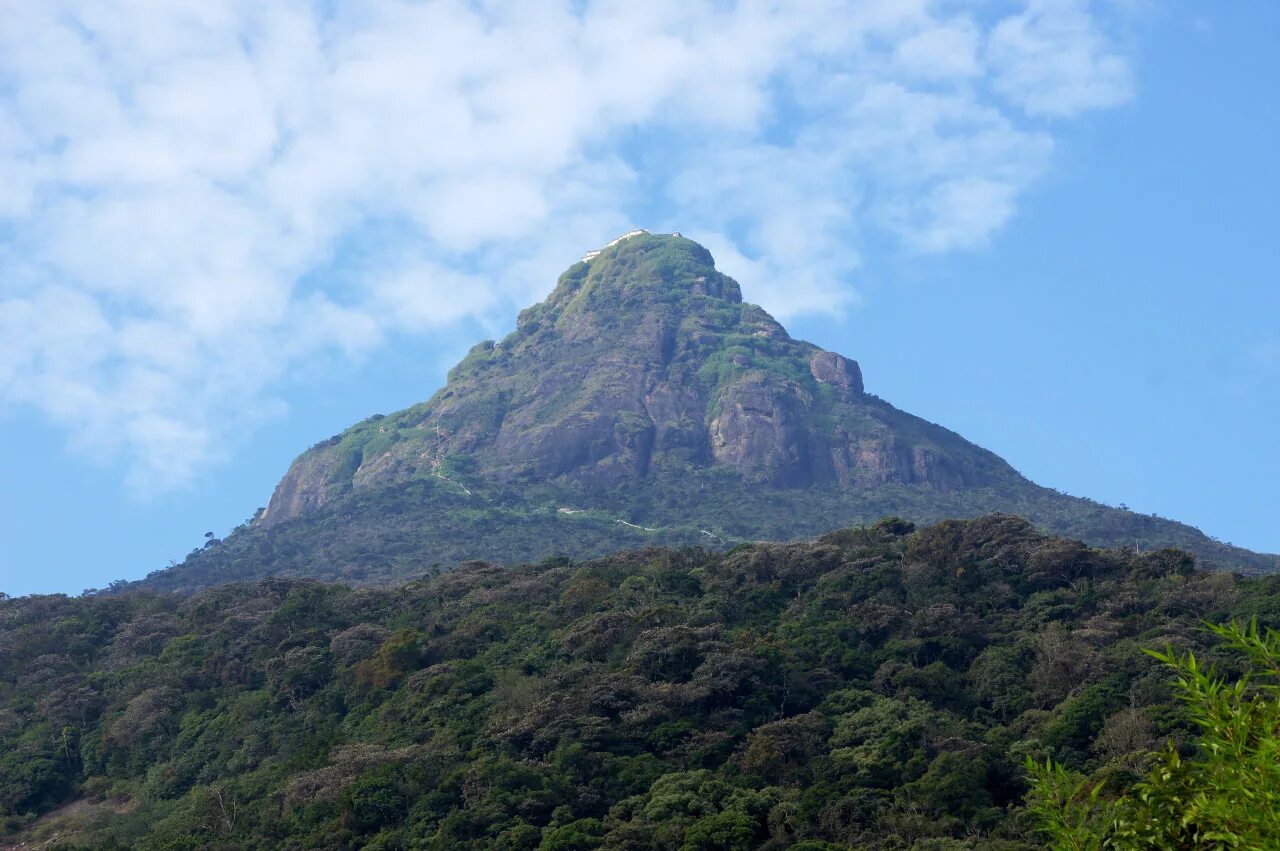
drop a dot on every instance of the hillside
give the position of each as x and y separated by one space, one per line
643 403
877 688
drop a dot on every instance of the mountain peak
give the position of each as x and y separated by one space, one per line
645 392
639 268
645 361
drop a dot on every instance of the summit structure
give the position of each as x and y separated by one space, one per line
596 252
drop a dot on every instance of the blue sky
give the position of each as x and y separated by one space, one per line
1049 226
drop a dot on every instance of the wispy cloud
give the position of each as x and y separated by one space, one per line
1051 59
194 198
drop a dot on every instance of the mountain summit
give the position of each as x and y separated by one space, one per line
644 402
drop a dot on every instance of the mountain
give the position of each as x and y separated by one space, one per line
644 402
878 688
645 360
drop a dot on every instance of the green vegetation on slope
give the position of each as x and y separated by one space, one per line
389 534
878 688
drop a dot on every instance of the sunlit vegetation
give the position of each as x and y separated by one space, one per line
1222 792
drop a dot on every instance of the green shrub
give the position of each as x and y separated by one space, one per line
1224 796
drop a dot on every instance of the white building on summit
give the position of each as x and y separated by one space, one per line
595 252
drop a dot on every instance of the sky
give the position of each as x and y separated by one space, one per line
230 229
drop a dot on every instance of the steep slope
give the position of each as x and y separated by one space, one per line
642 402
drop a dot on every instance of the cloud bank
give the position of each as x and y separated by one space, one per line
197 197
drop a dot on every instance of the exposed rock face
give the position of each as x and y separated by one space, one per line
303 489
644 358
831 368
762 432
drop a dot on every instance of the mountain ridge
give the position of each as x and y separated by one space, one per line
645 394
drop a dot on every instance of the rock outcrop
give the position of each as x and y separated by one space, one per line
838 371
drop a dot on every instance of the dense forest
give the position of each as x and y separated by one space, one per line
880 687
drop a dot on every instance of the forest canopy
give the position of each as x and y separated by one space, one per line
880 687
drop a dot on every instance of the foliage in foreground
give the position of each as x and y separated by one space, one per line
878 688
1225 796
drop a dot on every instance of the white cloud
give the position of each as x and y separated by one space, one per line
195 199
1053 59
948 51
